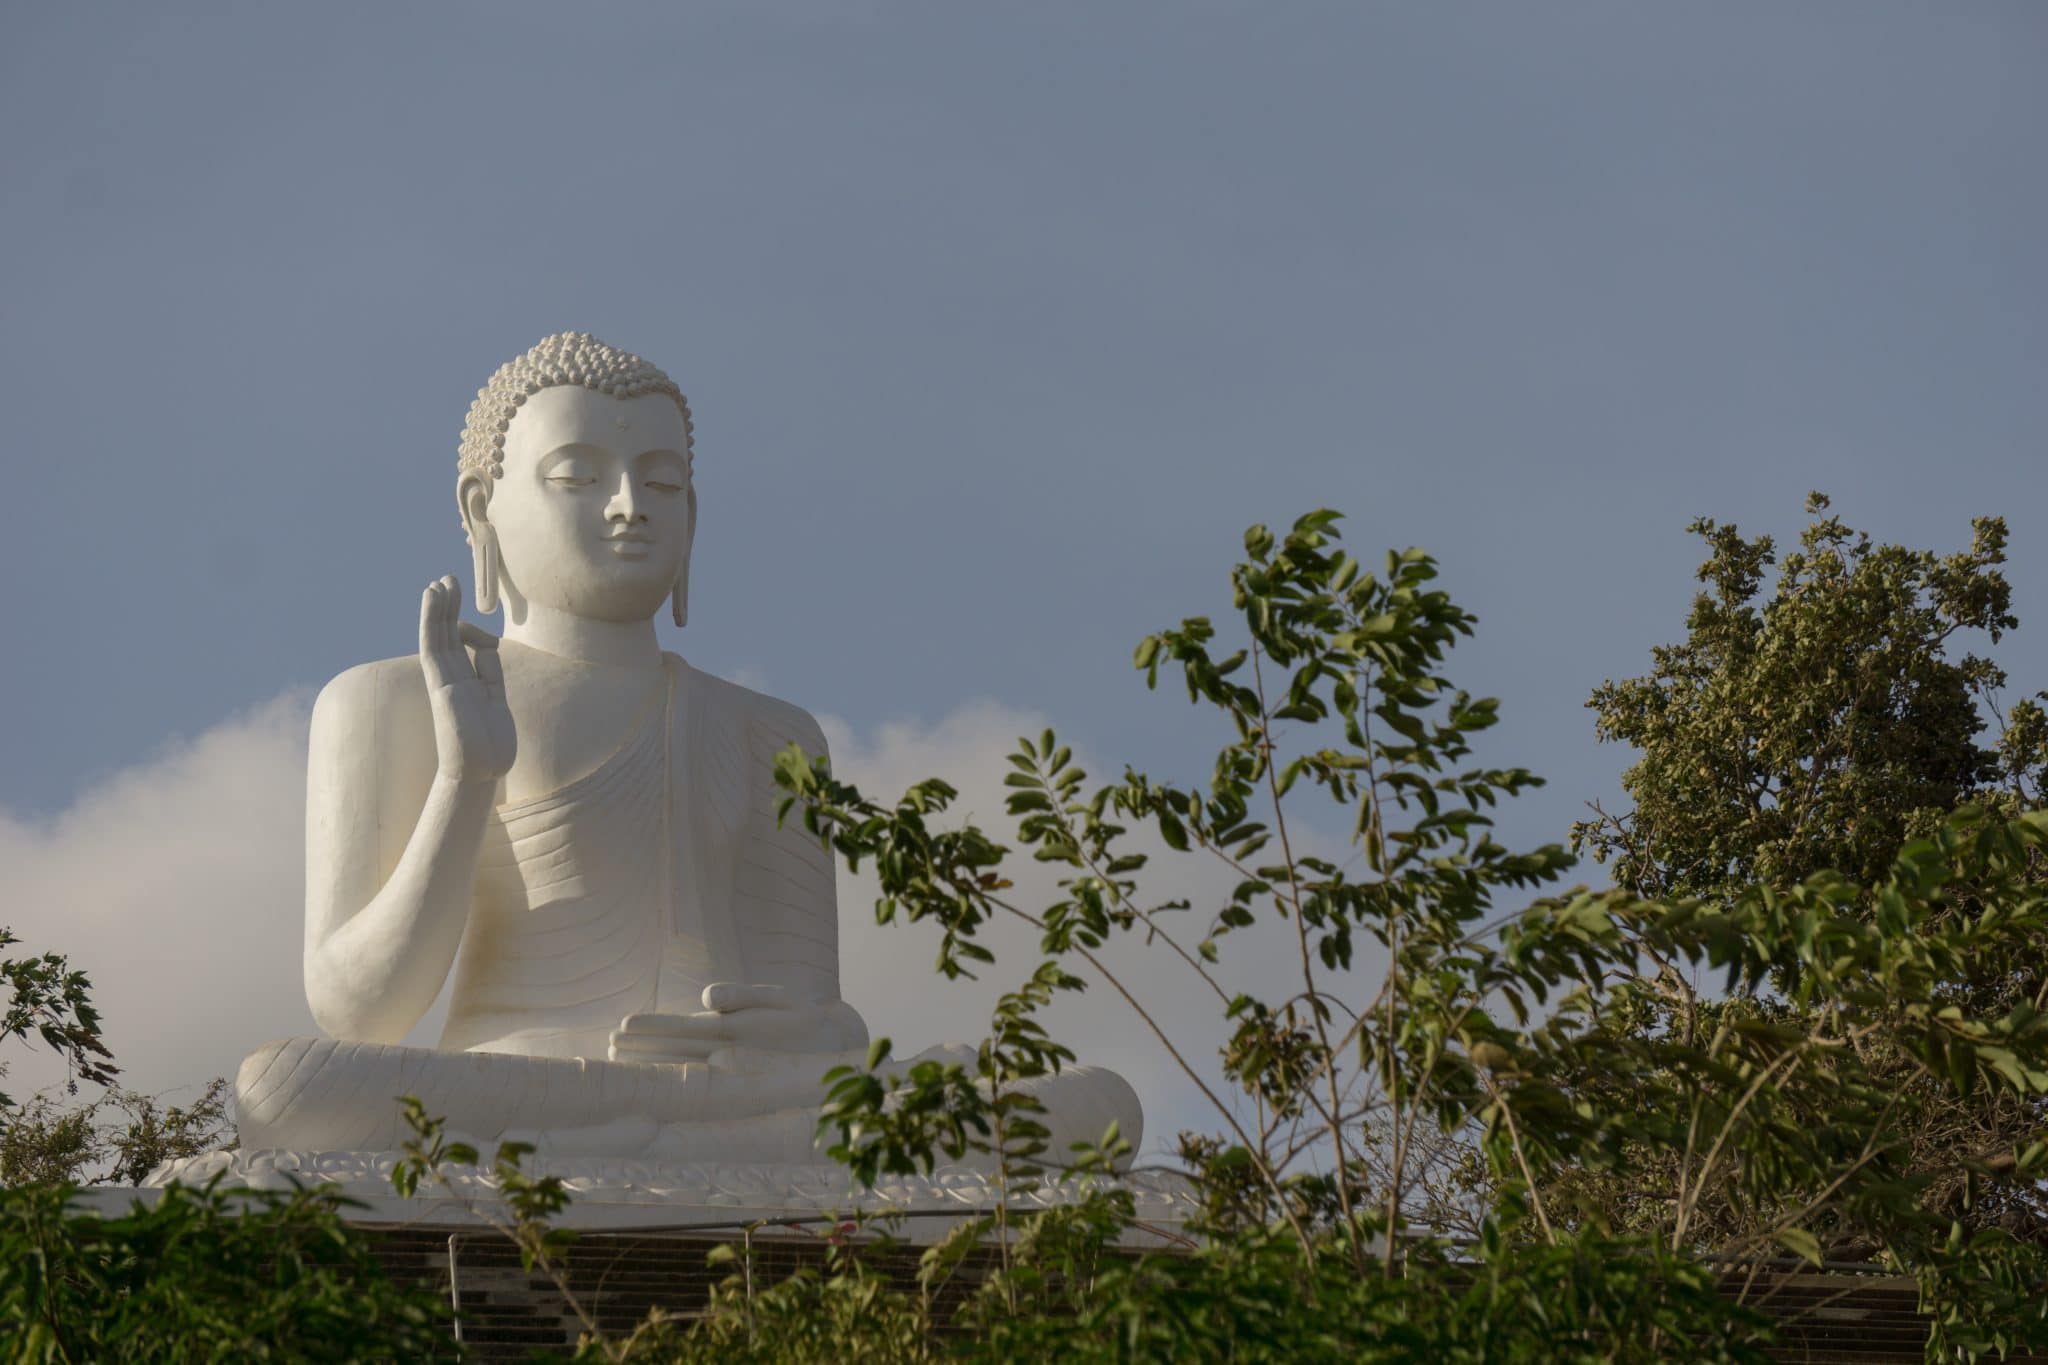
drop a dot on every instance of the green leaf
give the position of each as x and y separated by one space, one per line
1800 1243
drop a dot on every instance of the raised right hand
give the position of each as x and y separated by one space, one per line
473 734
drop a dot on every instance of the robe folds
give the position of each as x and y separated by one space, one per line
629 889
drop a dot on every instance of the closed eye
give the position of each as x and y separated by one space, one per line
573 466
661 486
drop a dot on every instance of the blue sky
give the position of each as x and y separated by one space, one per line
1000 324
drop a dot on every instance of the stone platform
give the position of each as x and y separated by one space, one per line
614 1193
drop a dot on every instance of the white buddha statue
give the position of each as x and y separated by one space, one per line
577 825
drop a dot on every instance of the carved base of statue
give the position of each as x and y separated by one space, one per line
636 1143
323 1094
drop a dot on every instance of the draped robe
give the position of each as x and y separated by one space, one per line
628 889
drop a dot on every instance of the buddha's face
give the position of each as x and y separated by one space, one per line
594 513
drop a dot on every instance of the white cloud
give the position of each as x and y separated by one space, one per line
177 885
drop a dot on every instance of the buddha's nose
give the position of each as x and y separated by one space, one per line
625 504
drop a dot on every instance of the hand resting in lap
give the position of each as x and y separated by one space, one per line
740 1016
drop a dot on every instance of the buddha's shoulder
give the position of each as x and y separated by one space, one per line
767 720
383 687
371 725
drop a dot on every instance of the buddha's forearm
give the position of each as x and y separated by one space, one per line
378 967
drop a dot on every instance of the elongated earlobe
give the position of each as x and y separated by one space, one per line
483 555
472 496
679 599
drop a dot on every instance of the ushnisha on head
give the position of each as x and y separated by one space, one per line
575 484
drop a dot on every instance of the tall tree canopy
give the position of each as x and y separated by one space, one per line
1818 725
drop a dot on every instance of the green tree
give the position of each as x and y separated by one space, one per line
1540 1040
117 1138
202 1274
1819 722
50 1003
